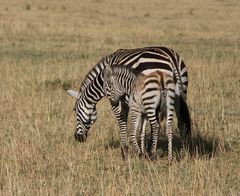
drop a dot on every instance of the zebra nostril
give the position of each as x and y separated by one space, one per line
76 136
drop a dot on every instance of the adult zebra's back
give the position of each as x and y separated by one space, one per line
142 60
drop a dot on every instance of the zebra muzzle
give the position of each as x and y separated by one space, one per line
81 137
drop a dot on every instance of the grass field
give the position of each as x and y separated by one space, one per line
46 46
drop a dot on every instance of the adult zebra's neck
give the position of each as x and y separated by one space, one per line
92 88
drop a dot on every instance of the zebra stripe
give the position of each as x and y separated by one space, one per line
142 60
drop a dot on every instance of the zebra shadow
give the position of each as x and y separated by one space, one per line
198 146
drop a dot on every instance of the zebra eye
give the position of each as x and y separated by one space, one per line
110 87
74 109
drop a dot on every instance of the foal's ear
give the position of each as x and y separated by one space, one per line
73 93
108 70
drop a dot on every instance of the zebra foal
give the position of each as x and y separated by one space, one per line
149 96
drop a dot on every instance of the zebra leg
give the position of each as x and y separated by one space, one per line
153 118
170 103
169 131
121 112
135 120
143 133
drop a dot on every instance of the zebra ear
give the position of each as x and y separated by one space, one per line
73 93
108 70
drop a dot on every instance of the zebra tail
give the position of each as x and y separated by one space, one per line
186 116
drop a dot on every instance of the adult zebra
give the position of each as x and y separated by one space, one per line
142 60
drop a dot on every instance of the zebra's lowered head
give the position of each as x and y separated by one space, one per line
86 115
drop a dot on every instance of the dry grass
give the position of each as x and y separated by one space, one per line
45 46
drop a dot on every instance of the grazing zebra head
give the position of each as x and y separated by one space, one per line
86 115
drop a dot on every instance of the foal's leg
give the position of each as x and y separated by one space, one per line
121 112
154 122
143 133
135 120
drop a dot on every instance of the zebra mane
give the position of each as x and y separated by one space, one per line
124 71
93 73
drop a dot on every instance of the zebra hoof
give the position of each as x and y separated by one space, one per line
152 156
141 155
124 151
169 162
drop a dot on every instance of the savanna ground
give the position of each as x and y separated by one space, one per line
46 46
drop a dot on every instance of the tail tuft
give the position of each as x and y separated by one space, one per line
185 114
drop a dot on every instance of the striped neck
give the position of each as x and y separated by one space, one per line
92 88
